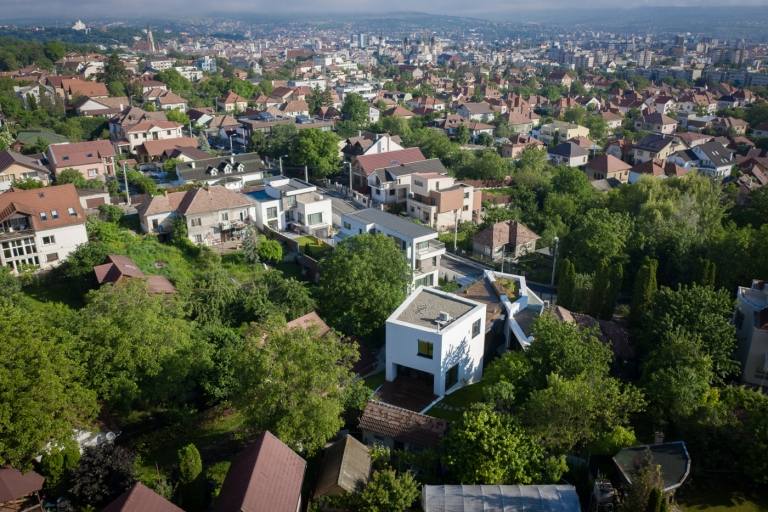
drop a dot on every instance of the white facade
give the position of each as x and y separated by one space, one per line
419 244
752 332
42 249
290 203
440 334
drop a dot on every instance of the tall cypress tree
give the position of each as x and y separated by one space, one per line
616 279
566 284
600 289
644 289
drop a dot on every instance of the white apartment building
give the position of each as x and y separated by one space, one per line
437 337
288 204
752 332
39 228
419 243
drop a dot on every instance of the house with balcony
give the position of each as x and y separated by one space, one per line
711 158
17 167
558 131
289 204
213 215
441 202
437 339
40 227
233 172
419 243
95 160
655 147
392 185
751 321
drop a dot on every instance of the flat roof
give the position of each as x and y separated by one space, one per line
500 498
391 222
425 305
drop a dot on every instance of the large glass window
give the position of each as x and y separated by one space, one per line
452 376
314 218
425 349
272 212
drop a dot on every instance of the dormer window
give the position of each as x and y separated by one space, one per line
43 216
227 169
212 171
71 211
55 214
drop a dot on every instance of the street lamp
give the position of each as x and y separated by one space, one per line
554 261
281 163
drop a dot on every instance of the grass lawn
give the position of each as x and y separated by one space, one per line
374 381
451 407
313 246
714 496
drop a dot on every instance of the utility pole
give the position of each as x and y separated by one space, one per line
349 192
125 181
281 165
554 262
456 231
306 174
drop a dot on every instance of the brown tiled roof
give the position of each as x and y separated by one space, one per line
233 97
158 147
369 163
265 477
141 498
80 153
9 157
308 321
198 200
608 164
506 232
146 125
118 267
77 87
59 198
15 485
401 424
296 106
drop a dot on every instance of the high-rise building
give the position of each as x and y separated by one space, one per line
150 41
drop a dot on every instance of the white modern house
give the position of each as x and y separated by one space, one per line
419 243
436 336
752 332
40 227
288 204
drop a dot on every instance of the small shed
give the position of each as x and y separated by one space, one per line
346 466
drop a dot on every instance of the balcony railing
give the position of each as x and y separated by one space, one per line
430 247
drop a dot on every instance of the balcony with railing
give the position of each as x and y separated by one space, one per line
429 248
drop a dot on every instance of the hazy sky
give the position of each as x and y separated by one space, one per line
73 9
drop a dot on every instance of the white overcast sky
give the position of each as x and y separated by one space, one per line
66 9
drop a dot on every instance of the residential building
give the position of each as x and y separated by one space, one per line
395 427
265 477
232 102
656 122
608 167
95 160
74 88
751 321
508 239
654 147
345 468
419 243
289 204
657 169
476 111
20 491
710 158
233 172
164 99
101 107
40 227
121 268
17 167
392 185
365 165
140 498
558 131
441 202
519 143
149 130
213 215
498 498
568 153
438 338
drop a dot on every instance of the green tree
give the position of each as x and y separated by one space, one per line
214 296
532 160
644 290
646 482
103 474
575 115
704 313
177 116
488 447
271 251
599 235
361 282
58 462
355 110
295 386
190 463
387 491
462 134
251 242
42 396
566 284
319 98
319 151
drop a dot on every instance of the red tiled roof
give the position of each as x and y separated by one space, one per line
70 154
369 163
309 321
158 147
401 424
33 202
15 485
265 477
140 498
